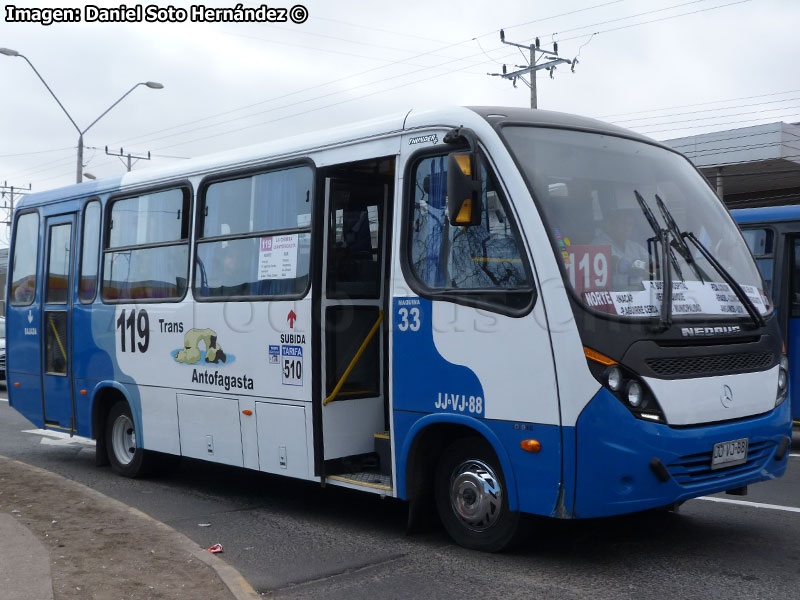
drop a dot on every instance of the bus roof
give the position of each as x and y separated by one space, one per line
765 214
285 148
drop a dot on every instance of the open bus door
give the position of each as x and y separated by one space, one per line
56 324
352 401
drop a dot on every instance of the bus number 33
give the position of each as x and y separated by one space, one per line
139 327
409 319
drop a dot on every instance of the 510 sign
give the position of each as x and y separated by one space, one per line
134 327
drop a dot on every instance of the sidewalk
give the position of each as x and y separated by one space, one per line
62 540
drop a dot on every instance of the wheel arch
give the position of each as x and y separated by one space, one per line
104 395
428 437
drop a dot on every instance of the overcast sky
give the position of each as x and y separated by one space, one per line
693 66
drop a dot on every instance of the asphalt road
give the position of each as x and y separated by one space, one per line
295 539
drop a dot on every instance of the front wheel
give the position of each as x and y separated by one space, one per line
125 457
472 498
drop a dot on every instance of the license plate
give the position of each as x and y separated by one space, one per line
729 454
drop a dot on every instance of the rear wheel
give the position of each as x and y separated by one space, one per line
472 498
125 457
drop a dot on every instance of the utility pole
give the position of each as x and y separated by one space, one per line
129 156
11 190
531 68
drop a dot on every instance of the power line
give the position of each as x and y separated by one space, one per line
617 20
37 152
359 74
720 124
749 112
397 62
694 12
725 139
698 104
483 35
572 12
341 52
147 136
694 112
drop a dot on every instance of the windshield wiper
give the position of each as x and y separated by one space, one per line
737 289
665 319
678 241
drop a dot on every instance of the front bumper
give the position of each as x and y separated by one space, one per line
614 451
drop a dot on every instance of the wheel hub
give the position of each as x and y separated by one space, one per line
476 495
123 439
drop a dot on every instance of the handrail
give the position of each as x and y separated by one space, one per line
58 338
353 362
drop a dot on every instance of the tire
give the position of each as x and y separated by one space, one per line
472 497
123 454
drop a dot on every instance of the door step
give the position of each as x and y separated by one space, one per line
371 471
368 479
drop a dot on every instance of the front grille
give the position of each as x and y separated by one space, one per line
696 468
718 364
3 362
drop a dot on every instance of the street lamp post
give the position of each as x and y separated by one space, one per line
151 84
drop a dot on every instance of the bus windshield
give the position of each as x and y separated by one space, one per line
613 204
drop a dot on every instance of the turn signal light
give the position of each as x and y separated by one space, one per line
16 384
247 412
83 392
598 357
530 445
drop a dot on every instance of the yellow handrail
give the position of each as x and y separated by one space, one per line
353 362
58 338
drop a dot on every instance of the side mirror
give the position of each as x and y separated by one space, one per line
464 207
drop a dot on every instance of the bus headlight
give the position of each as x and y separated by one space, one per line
783 379
614 379
634 394
625 385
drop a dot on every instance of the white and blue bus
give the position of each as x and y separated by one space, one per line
502 311
773 235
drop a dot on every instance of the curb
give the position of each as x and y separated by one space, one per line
232 579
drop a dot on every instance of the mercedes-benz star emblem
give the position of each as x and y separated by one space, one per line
726 397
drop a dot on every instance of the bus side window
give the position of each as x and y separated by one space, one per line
761 243
795 279
486 262
89 252
146 253
255 236
25 254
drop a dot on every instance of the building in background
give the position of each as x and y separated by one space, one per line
750 166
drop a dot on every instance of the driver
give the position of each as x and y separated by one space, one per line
629 259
